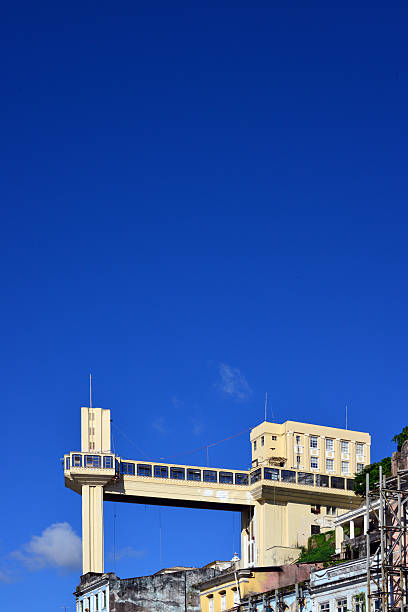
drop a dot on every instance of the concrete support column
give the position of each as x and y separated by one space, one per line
352 536
92 528
339 537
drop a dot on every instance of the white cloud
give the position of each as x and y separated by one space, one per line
159 425
233 382
58 546
127 551
6 577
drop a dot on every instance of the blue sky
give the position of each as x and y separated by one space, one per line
200 204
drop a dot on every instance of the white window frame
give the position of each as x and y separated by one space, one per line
345 446
324 606
330 461
345 468
341 604
329 444
312 460
210 603
314 442
360 449
223 601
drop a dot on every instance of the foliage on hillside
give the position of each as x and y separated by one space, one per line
401 438
374 471
320 547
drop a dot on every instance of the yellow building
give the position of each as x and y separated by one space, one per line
300 479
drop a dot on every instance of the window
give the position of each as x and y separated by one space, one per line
344 446
322 480
337 483
360 448
67 463
144 470
76 460
271 474
360 467
209 476
177 473
241 479
92 461
256 475
262 440
331 510
161 471
324 607
314 529
236 596
226 478
103 599
274 438
127 468
81 606
255 445
313 441
341 605
108 463
350 484
223 596
345 467
96 602
193 474
329 465
329 444
314 463
297 439
315 509
288 476
210 603
305 478
359 602
298 460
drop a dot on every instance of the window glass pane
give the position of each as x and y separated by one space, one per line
288 476
305 478
241 479
193 474
314 463
344 446
92 461
329 444
329 465
67 463
161 471
226 477
271 474
313 441
77 460
337 483
177 473
127 468
322 480
108 462
256 475
144 470
345 467
209 476
350 484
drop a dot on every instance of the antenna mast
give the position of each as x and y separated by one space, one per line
346 417
90 390
266 403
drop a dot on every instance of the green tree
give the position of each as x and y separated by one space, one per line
401 437
374 471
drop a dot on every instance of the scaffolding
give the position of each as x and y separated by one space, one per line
387 565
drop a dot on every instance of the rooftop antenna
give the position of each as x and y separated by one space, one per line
346 417
90 390
266 403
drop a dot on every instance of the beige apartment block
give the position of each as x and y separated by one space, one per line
299 481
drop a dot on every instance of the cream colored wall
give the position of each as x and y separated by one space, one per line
287 447
95 430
